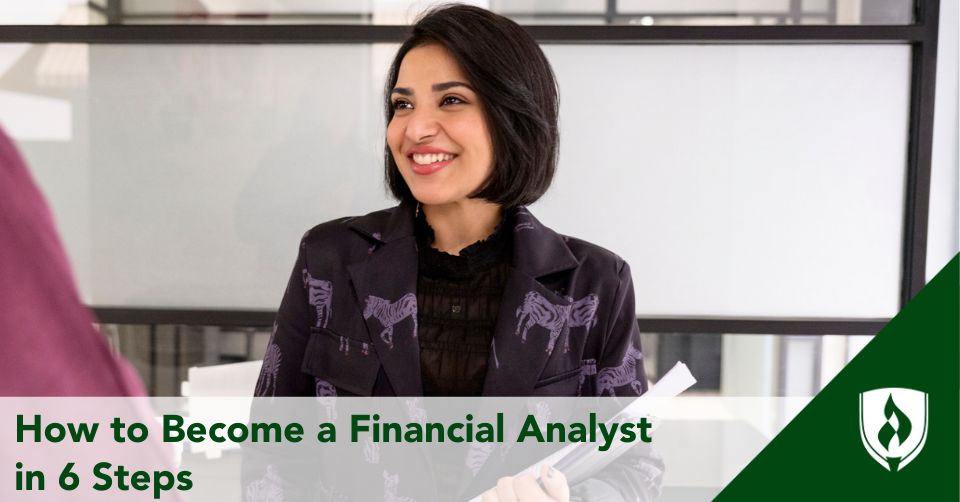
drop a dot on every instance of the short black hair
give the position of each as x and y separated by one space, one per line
519 96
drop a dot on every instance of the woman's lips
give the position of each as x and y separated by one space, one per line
429 168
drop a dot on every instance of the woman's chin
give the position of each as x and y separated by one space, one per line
434 199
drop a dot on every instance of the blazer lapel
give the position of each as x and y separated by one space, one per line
385 285
533 319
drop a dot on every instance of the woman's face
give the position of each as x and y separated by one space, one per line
438 134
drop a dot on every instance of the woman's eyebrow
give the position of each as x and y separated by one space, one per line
405 91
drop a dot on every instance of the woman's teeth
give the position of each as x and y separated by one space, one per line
430 158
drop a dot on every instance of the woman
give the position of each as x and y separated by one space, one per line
459 290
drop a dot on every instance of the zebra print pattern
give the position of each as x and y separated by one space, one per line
477 455
609 379
325 388
327 397
587 368
390 313
537 310
266 489
267 383
373 248
583 313
320 296
415 410
390 484
541 413
520 216
371 451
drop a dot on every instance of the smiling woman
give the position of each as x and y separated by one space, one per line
437 122
459 290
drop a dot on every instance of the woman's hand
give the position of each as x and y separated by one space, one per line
524 488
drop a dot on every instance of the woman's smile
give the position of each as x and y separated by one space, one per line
428 160
430 163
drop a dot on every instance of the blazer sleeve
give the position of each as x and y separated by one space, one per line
636 475
281 373
620 370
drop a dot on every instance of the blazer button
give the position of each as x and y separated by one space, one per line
455 309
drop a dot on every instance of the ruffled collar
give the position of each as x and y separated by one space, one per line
480 255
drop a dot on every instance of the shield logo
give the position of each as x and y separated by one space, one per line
893 425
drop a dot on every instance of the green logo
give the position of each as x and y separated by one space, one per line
886 428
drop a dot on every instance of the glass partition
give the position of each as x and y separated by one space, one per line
736 180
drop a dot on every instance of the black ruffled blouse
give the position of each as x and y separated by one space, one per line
458 299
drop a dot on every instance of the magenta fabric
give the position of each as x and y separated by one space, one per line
49 344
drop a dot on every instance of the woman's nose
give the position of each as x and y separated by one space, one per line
422 124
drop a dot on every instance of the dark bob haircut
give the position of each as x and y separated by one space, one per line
517 90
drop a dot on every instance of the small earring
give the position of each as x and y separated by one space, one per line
417 213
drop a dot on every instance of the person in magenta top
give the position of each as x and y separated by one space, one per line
51 347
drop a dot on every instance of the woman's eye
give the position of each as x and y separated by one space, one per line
397 104
456 100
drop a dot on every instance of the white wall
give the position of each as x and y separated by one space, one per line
738 180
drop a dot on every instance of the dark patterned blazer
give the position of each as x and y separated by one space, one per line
347 324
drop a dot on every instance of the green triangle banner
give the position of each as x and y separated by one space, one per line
886 427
